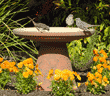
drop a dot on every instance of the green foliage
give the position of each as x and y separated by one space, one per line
4 78
7 24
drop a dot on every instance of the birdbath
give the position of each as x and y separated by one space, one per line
53 53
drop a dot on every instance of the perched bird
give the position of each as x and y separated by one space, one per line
39 25
69 20
83 25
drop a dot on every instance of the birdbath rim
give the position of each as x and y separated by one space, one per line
54 31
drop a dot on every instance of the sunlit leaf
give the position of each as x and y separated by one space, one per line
102 26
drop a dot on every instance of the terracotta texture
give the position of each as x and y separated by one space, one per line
51 61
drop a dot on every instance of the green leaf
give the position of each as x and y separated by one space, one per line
95 19
102 26
106 32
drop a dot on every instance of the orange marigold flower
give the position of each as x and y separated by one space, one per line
31 66
1 59
105 65
99 80
102 51
95 51
86 83
98 66
97 55
108 67
12 64
25 74
15 69
105 78
95 59
102 59
3 66
30 72
92 82
100 70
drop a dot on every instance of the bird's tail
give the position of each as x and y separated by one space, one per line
95 25
31 20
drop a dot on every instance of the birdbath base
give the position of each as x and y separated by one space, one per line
52 55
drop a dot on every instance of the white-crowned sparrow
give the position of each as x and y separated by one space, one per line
39 25
69 20
83 25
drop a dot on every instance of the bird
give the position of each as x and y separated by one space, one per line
39 25
83 25
69 20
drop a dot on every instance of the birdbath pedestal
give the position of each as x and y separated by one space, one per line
53 53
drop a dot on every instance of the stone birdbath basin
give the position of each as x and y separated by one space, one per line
53 53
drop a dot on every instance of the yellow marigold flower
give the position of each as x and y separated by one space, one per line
36 72
1 59
26 64
100 70
75 87
57 71
72 78
51 71
26 68
56 77
10 69
15 69
79 84
40 83
31 66
25 74
103 83
108 62
0 70
20 65
79 78
48 77
95 58
30 72
94 67
65 77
